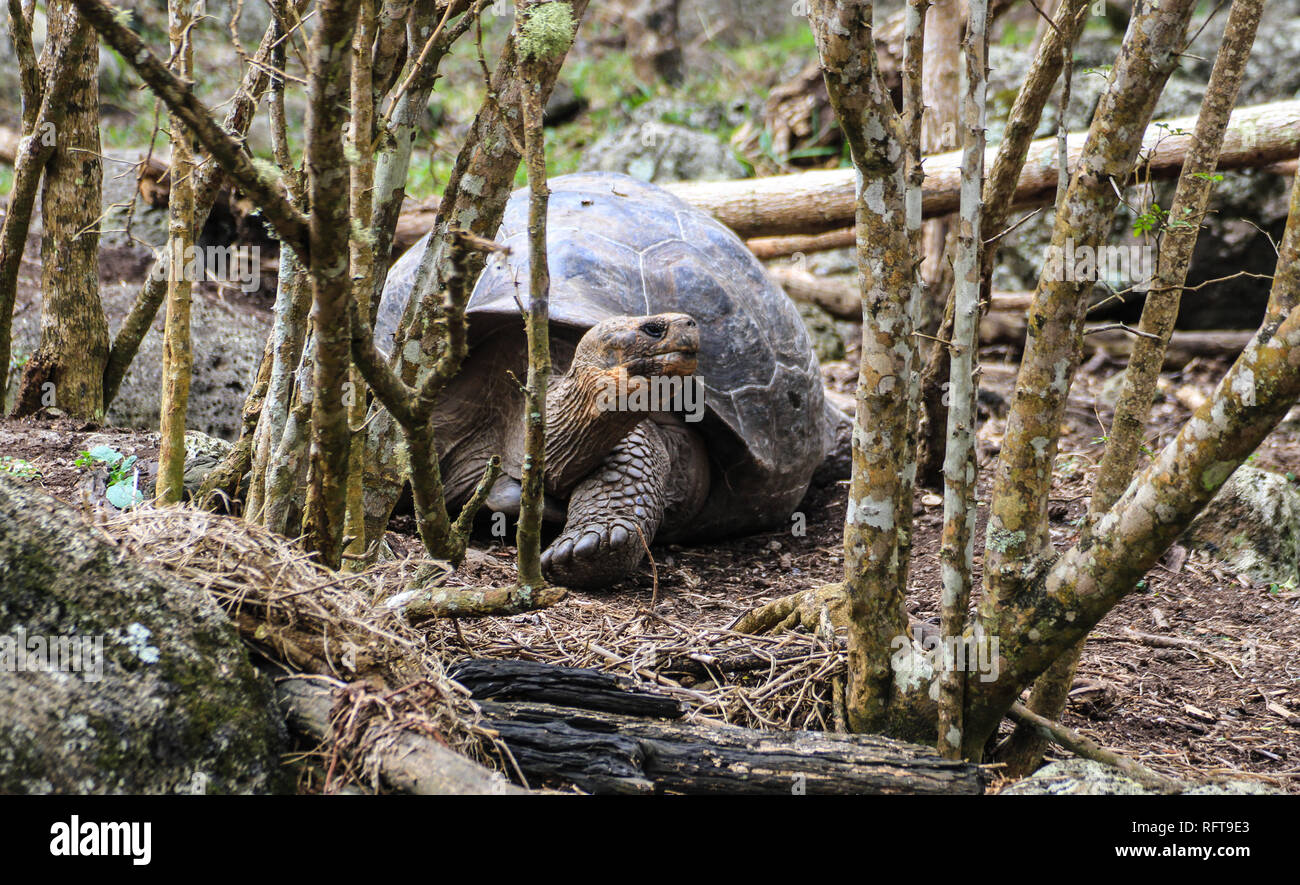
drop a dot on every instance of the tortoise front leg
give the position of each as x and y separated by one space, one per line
627 491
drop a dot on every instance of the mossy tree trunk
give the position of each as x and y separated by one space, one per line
44 100
880 493
959 468
537 42
1036 604
361 199
1017 542
330 226
67 369
178 359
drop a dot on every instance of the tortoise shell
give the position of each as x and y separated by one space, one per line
619 246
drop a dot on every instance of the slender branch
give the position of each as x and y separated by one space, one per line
267 193
529 529
208 179
960 468
20 31
1090 749
178 356
1017 535
880 493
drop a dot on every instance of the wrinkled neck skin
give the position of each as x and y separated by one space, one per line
579 433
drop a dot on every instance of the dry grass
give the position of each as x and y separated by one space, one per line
314 620
384 670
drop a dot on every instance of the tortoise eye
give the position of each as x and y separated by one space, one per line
655 329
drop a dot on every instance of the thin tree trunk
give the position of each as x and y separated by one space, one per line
30 80
875 574
34 152
960 468
1017 541
363 272
178 359
268 500
401 124
208 179
939 133
529 530
327 179
67 369
999 192
915 56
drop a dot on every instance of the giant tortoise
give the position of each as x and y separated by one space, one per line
643 288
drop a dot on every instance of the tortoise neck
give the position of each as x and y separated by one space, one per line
581 425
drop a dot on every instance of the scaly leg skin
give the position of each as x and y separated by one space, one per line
600 543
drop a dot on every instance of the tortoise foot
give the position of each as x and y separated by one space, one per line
594 554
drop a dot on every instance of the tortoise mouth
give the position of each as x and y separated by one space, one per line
680 361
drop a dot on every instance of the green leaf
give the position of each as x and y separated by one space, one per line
107 454
123 495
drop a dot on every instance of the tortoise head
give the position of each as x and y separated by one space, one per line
662 344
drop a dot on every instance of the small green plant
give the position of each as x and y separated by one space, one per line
1275 588
122 491
1149 220
18 468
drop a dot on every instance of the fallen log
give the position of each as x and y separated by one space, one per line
410 762
563 686
814 202
766 248
601 743
840 297
1183 346
610 753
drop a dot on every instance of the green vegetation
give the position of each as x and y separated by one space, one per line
18 468
123 491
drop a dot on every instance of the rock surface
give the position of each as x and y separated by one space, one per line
658 152
1253 524
1084 777
228 338
669 140
169 703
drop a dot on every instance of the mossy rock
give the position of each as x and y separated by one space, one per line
173 705
1253 525
1084 777
827 333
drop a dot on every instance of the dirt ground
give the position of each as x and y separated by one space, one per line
1226 705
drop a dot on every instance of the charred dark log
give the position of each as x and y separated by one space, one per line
562 686
608 753
606 734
